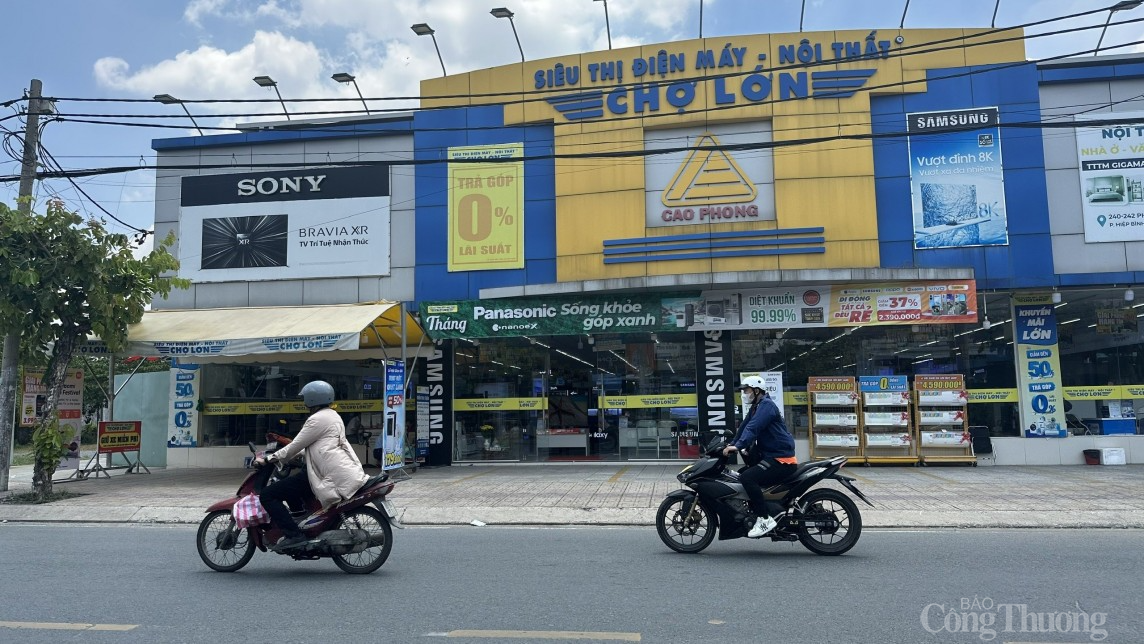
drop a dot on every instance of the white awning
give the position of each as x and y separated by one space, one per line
277 334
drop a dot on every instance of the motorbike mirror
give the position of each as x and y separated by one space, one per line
251 446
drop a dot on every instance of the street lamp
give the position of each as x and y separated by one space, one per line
422 29
904 10
343 77
501 12
167 99
1126 5
266 81
801 15
700 18
607 23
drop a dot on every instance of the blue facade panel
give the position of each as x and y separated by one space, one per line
435 131
1027 260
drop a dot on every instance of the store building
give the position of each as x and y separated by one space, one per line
599 245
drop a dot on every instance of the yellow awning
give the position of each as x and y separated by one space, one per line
279 333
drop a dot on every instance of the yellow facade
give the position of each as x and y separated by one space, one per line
828 183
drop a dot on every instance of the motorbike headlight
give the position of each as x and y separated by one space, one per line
685 469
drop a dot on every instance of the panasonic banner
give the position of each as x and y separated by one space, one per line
309 222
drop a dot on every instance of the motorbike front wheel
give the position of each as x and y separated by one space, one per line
222 546
830 523
380 540
680 532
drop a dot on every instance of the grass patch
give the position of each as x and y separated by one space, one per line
29 498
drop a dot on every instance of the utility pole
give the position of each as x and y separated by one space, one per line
10 368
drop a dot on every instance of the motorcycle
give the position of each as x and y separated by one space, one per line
355 535
825 520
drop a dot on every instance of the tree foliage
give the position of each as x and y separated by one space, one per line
62 279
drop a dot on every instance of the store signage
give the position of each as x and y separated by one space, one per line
438 376
836 440
554 316
859 305
956 178
486 207
500 404
708 182
69 408
945 439
1111 177
119 436
392 440
716 391
671 80
1038 366
422 423
649 401
282 225
941 389
1116 321
992 396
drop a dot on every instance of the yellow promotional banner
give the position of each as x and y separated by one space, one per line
286 407
486 207
1094 393
792 398
119 436
500 404
1133 391
993 396
649 401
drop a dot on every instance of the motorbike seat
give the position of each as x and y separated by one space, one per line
801 469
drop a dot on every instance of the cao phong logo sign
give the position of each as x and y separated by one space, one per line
709 175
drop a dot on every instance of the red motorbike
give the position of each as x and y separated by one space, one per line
355 533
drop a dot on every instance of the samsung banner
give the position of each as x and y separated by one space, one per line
1111 178
956 178
309 222
1038 366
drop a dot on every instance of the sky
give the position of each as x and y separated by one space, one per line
212 49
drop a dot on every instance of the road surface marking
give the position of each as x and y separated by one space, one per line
617 475
469 478
548 635
935 476
63 626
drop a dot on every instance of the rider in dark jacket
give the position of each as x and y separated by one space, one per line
768 450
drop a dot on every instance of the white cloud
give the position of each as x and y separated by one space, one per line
198 9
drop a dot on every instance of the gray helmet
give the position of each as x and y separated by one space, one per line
317 394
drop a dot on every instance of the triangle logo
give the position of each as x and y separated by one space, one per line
709 177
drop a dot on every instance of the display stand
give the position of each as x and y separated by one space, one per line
834 418
943 420
888 430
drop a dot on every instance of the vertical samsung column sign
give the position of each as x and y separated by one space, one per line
439 379
1038 367
393 443
486 208
716 390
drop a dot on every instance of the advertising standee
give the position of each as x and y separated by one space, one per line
1038 367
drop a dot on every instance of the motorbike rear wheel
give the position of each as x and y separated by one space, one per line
830 524
370 559
221 546
679 533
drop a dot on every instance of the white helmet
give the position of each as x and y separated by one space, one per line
754 382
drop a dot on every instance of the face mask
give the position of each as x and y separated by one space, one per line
748 397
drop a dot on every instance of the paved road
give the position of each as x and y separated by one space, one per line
628 494
484 584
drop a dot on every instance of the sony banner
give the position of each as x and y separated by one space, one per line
438 377
716 390
308 222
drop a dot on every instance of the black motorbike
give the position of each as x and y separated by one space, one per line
823 519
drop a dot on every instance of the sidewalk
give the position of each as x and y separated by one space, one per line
629 494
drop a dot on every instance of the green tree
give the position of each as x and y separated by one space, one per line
62 279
